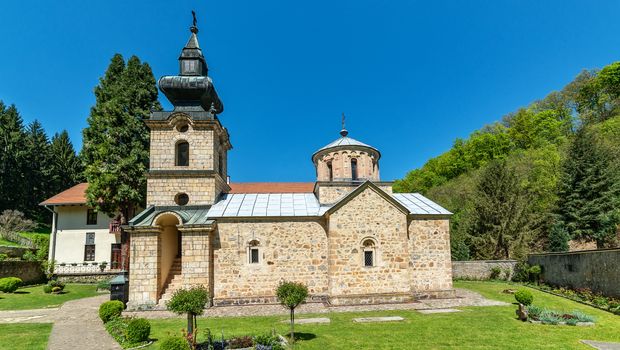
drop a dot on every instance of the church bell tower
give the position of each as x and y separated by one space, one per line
189 145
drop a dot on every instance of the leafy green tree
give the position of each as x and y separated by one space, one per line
66 167
116 141
502 221
290 295
589 195
528 129
191 302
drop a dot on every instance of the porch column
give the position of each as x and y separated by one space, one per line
144 268
197 257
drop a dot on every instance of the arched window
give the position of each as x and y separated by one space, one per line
330 171
353 168
182 154
369 253
253 252
220 162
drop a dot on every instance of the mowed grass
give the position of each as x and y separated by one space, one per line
494 327
35 298
24 336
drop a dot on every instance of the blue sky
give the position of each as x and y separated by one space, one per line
411 75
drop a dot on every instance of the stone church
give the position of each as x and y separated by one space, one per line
346 236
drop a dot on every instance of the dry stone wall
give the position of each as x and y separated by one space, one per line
481 269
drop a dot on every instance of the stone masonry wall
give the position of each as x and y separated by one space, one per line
28 271
431 266
144 269
331 193
341 165
368 215
201 190
195 258
163 148
481 269
594 269
291 249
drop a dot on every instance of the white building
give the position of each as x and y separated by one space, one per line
82 239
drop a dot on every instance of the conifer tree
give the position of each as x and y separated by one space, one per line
116 141
589 195
66 168
37 164
12 152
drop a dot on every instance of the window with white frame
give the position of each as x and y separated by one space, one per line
254 252
89 247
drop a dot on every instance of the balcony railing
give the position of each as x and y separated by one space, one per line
115 226
85 268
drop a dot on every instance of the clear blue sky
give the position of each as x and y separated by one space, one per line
411 75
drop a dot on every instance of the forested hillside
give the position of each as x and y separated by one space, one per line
543 175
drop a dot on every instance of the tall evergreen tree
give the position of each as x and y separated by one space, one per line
12 153
116 141
37 163
589 195
66 168
502 220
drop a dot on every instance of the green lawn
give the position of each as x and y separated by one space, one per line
474 328
35 298
24 336
8 243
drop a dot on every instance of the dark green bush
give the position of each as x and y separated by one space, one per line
103 285
174 343
110 309
138 330
47 289
268 340
56 290
524 297
495 271
522 272
9 284
29 256
56 283
3 257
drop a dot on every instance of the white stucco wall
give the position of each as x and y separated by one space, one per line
71 235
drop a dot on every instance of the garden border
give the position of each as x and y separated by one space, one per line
565 297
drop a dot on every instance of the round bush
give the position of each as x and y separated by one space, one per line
174 343
9 284
56 290
110 309
56 283
524 297
138 330
47 289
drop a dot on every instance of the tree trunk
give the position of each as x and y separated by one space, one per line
292 326
190 323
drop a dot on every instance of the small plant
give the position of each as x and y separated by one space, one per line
56 283
291 294
174 343
507 274
524 297
10 284
241 342
56 290
268 341
103 285
535 272
549 317
3 257
581 317
110 310
495 272
534 311
138 330
29 256
521 272
117 328
191 302
47 289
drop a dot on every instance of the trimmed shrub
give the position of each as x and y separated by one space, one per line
110 309
495 271
56 290
174 343
9 284
522 272
56 283
138 330
524 297
535 272
47 289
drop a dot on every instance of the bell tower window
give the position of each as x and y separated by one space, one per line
330 172
182 154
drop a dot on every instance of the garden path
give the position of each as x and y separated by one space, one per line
76 324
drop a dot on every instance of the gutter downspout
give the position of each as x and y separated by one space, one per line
52 256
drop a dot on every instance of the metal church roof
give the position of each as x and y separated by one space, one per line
266 204
418 204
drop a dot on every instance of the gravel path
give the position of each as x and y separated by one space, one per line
76 324
463 298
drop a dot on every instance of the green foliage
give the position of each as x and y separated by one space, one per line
535 270
174 343
47 289
117 328
558 239
104 285
291 294
534 311
56 284
495 272
268 340
138 330
524 297
188 301
110 310
29 256
10 284
3 257
116 141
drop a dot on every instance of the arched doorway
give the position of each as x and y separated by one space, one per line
170 241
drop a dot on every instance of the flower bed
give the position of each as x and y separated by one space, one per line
585 296
545 316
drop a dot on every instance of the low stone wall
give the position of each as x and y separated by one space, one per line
93 277
481 269
29 271
15 252
594 269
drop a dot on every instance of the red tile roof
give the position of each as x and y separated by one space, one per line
272 187
74 195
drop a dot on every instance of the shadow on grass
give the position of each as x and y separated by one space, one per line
21 292
302 336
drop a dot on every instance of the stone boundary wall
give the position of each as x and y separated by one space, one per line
87 277
481 269
15 252
29 271
594 269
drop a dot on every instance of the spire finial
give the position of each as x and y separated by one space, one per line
193 28
344 131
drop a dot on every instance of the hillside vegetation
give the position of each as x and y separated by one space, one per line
542 176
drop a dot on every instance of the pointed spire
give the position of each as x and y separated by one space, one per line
344 131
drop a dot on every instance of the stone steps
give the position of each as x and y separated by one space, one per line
173 282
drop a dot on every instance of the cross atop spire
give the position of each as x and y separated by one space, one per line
193 28
344 131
